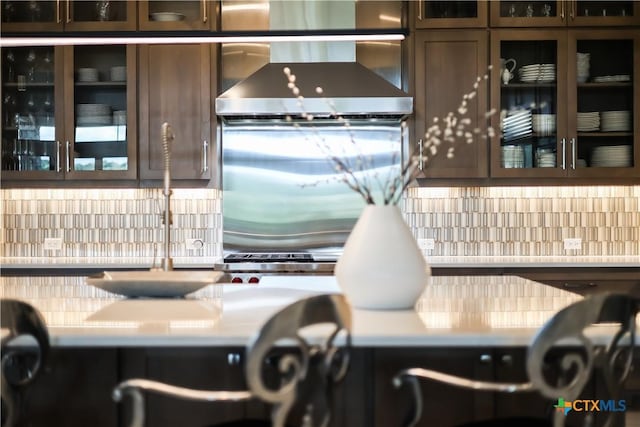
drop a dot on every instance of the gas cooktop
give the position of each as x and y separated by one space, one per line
268 257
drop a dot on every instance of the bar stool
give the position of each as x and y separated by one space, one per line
308 368
580 358
21 363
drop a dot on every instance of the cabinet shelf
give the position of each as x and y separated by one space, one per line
604 85
27 85
528 85
101 84
604 134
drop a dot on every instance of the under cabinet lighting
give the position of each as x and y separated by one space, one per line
78 41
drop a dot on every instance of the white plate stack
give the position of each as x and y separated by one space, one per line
546 158
512 156
544 124
616 121
93 115
588 122
612 79
87 75
517 125
538 73
611 156
583 66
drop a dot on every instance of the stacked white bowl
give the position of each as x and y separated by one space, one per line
512 156
544 124
611 156
118 74
545 158
588 122
93 114
87 74
616 121
583 66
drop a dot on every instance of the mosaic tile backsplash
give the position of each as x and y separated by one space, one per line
468 221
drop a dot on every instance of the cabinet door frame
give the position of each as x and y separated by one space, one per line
604 34
69 122
206 120
480 147
560 36
207 20
480 21
63 21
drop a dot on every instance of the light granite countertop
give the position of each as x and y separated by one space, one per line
631 261
486 311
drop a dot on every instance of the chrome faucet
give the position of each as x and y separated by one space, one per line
167 139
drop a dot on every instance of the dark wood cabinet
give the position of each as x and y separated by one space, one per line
68 15
448 64
69 113
560 13
588 281
567 101
177 15
177 86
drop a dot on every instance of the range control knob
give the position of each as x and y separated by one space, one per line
253 279
236 280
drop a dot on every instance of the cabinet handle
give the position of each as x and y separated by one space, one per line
58 18
573 153
564 153
420 161
205 152
572 14
59 147
485 358
68 11
204 11
68 146
562 9
420 10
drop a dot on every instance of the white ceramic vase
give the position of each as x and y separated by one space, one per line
382 267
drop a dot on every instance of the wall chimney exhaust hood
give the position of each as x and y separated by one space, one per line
349 89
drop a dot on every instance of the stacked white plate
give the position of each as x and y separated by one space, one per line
540 73
512 156
544 124
589 122
615 78
583 63
87 75
545 158
611 156
93 114
517 125
616 121
167 16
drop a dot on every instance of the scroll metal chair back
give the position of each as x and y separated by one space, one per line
21 364
580 357
308 368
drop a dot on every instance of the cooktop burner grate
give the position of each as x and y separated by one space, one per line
269 257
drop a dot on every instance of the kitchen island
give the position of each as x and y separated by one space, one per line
469 325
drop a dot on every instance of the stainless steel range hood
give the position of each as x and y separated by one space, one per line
349 89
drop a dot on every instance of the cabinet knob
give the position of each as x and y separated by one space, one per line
506 359
485 359
233 359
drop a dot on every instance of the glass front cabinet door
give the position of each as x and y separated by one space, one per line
61 15
166 15
567 103
69 113
546 13
450 14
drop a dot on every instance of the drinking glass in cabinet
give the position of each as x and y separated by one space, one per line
604 8
450 9
528 9
28 11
